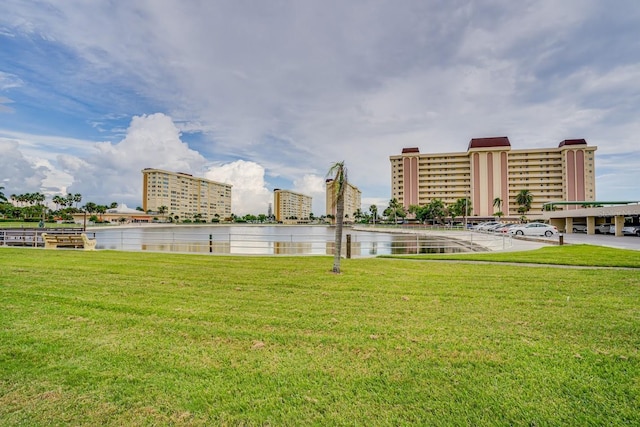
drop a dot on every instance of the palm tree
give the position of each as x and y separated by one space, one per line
2 196
90 207
59 201
497 203
101 209
357 215
524 199
374 212
395 209
458 208
339 173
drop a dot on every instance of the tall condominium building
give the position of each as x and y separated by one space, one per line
352 200
290 207
491 170
184 195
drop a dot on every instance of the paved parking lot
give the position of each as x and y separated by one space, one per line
624 242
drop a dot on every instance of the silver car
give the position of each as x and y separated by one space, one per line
534 229
631 230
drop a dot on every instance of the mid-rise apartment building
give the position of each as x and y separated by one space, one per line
291 207
352 200
491 170
184 195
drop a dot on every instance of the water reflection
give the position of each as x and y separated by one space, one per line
272 240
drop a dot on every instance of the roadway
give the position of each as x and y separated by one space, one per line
622 242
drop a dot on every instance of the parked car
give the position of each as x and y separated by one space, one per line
579 228
534 229
504 228
631 230
494 227
485 225
604 228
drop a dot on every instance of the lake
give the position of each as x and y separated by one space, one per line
269 240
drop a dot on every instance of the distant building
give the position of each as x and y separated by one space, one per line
291 207
120 215
185 196
490 169
352 200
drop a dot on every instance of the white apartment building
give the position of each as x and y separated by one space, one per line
291 207
491 170
352 200
184 195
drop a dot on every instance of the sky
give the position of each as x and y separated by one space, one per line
269 94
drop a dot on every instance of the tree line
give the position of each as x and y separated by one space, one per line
32 207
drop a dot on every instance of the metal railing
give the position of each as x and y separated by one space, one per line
357 242
31 236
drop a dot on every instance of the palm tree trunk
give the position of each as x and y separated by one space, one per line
338 238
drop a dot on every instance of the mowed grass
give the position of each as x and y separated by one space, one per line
117 338
577 255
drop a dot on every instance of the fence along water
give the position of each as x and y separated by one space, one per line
282 241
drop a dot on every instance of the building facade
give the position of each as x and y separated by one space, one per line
185 196
291 207
352 200
491 170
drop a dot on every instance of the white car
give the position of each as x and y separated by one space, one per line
631 230
486 225
534 229
579 228
604 228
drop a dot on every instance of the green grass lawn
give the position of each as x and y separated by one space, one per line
121 338
579 255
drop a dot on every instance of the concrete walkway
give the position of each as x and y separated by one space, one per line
508 243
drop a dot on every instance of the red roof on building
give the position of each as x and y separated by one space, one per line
410 150
572 142
498 141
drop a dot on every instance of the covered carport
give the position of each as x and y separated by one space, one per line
591 213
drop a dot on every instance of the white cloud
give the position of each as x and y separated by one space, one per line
17 174
5 108
295 86
249 193
314 186
9 81
112 172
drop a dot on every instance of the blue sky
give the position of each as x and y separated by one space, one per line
268 95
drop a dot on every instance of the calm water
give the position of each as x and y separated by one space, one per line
268 240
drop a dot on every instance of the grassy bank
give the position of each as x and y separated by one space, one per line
578 255
115 338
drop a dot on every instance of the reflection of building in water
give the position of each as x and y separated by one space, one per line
356 247
195 247
291 248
